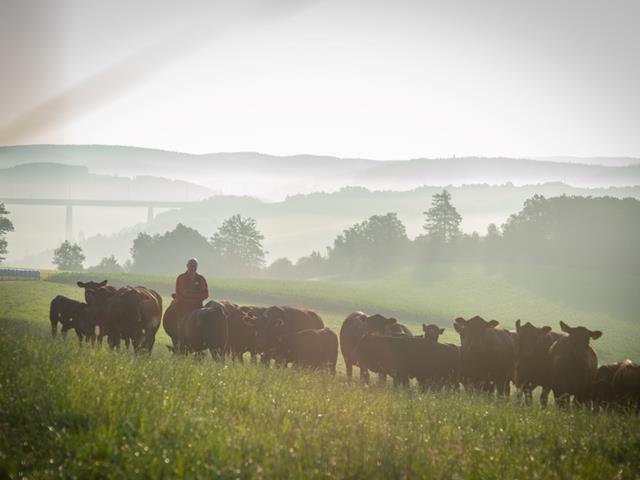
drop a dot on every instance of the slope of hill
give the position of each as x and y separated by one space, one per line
274 177
54 180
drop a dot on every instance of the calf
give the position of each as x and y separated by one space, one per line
354 327
532 360
573 364
277 321
626 384
602 386
69 313
309 348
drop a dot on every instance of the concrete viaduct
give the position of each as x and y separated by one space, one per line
70 203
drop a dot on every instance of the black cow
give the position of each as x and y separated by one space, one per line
487 354
532 361
309 348
573 365
71 314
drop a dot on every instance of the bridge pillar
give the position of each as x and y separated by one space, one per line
69 224
149 214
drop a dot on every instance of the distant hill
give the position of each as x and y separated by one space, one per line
53 180
274 177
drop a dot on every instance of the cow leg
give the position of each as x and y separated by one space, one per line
364 375
254 358
54 328
562 398
349 367
382 378
332 368
544 397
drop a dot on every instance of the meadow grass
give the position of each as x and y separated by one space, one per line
80 412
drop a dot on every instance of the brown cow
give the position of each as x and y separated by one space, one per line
204 329
532 362
602 387
276 321
309 348
354 327
573 364
242 331
432 332
626 384
97 295
487 354
91 288
133 314
433 364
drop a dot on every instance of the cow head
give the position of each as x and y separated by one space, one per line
378 323
90 289
432 332
580 335
530 340
472 331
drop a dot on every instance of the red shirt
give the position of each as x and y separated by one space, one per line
191 289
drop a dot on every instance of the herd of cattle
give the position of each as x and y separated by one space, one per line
488 359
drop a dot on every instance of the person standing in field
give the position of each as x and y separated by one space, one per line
191 289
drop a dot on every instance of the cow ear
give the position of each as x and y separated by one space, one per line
459 321
458 327
596 334
493 323
424 328
102 283
517 325
545 330
564 327
441 331
81 284
392 320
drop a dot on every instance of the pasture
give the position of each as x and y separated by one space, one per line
75 411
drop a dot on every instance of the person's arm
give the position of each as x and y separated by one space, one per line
180 291
204 293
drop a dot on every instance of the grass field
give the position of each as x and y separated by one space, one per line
80 412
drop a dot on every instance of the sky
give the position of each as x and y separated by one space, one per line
350 78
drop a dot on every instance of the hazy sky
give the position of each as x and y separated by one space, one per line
376 79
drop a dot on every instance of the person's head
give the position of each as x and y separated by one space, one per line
192 265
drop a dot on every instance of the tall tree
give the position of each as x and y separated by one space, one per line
5 226
238 242
377 242
442 219
169 252
68 256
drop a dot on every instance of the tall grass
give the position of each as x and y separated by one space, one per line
80 412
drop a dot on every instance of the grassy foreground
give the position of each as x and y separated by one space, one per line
70 411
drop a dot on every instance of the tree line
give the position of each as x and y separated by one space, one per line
570 231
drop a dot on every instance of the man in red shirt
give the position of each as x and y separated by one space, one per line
191 288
